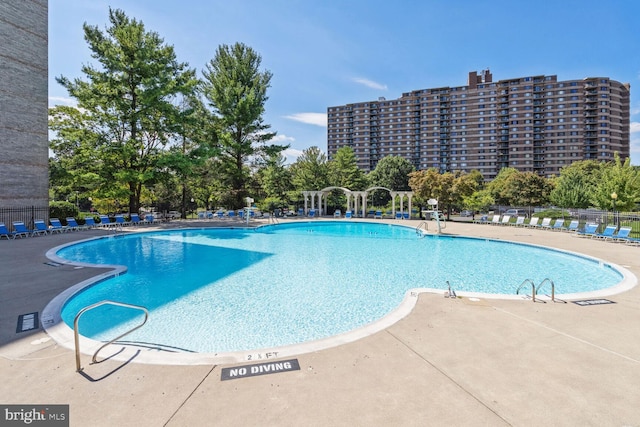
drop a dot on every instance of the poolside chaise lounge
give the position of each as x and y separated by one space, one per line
337 213
558 224
377 215
41 228
588 230
495 220
120 221
546 223
72 224
505 220
20 229
4 232
56 226
573 226
533 222
348 214
621 236
105 221
89 222
519 222
607 233
136 220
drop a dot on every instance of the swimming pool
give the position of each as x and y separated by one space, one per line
237 290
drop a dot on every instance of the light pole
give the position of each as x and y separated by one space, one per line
614 198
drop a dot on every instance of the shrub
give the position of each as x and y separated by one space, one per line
62 210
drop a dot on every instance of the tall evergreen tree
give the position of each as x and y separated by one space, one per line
237 91
129 102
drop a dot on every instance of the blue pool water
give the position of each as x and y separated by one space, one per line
223 290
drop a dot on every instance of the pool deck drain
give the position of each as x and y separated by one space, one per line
451 361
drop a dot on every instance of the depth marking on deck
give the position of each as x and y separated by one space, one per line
259 369
27 322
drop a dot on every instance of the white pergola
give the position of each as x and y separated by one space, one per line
356 200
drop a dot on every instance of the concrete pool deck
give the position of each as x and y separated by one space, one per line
449 362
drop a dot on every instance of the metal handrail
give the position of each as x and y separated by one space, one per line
423 225
92 306
553 288
533 288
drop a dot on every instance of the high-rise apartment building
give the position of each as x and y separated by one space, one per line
534 124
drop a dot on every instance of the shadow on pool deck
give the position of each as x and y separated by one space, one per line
451 361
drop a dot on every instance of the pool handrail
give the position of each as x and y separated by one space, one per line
553 288
98 304
533 288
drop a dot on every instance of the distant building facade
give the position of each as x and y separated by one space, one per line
533 124
24 170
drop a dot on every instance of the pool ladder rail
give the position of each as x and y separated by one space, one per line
76 335
451 293
535 290
424 225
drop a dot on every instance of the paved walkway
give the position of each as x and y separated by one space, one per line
450 362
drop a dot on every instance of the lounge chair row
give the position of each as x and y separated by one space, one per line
534 222
230 214
42 228
610 233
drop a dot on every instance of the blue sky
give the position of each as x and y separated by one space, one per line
328 53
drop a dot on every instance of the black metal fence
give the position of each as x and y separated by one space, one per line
26 214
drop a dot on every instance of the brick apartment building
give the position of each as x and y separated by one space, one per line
534 124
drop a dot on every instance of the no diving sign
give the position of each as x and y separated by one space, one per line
259 369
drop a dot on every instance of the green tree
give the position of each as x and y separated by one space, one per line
310 171
391 172
620 179
576 184
498 188
344 170
237 91
128 102
526 189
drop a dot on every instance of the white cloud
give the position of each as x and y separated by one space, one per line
58 100
370 83
292 155
282 138
635 127
317 119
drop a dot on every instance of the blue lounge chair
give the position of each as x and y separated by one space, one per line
41 228
405 215
337 213
72 224
312 213
231 214
20 230
573 226
105 221
607 233
558 224
378 215
149 218
348 214
56 226
136 220
4 232
588 231
89 222
398 215
120 221
622 235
